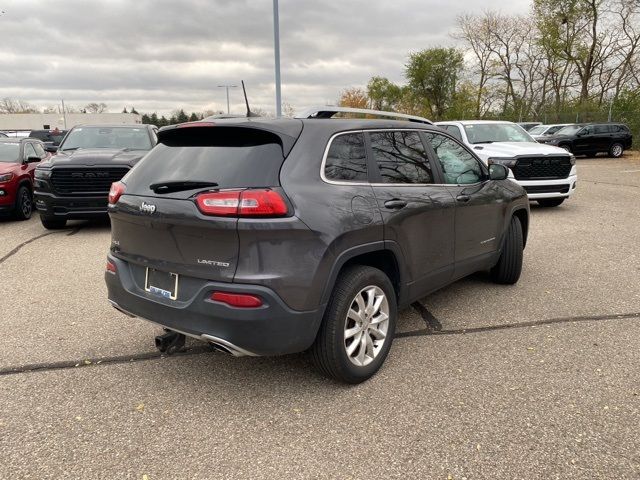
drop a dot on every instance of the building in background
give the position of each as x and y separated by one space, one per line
17 122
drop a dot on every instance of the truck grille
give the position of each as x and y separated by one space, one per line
547 188
542 168
71 181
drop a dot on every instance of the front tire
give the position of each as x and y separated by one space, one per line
358 326
24 204
507 270
550 202
52 223
616 150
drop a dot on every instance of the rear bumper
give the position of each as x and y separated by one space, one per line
53 205
272 329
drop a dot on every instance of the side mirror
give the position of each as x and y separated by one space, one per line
33 159
498 172
51 148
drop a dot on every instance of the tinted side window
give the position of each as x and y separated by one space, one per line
347 159
602 129
458 165
401 157
454 131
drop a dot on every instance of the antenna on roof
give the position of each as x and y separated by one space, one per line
244 90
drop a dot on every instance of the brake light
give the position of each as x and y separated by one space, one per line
111 267
242 203
239 300
195 124
115 192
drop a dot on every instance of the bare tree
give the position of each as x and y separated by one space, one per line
96 107
11 105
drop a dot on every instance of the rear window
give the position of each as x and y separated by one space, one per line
231 162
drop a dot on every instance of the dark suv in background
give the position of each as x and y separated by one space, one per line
268 237
75 183
592 138
50 138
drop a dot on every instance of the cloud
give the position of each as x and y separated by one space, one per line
158 55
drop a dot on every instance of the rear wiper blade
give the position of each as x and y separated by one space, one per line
484 141
179 185
69 149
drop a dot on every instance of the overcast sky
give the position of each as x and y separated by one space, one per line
158 55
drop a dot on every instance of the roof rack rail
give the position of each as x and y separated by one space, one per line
328 112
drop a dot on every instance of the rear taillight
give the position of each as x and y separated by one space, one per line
115 192
242 203
238 300
111 267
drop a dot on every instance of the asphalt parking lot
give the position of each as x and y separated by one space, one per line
537 380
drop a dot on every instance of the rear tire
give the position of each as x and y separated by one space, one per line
507 270
355 336
616 150
550 202
24 204
52 223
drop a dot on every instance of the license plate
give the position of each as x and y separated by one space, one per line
163 284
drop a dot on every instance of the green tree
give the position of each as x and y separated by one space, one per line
432 75
193 117
383 94
146 119
153 119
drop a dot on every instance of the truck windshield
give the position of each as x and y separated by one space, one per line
496 132
131 138
9 152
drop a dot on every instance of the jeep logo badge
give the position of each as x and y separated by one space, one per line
149 208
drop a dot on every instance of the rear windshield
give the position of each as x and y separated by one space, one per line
9 152
230 166
131 138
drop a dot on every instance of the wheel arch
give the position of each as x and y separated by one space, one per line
384 256
523 216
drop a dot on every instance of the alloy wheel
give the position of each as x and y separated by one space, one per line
26 204
366 325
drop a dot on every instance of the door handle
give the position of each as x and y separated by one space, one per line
395 204
463 198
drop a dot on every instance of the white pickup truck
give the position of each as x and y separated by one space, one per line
547 173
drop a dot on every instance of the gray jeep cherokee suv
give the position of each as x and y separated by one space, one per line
268 237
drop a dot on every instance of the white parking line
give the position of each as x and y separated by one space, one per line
630 171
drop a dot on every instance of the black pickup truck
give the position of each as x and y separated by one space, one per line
74 183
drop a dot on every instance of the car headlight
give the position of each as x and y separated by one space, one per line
5 177
42 174
507 162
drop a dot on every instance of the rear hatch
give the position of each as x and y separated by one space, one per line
181 204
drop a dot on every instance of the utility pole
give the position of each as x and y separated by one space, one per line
227 87
276 48
64 114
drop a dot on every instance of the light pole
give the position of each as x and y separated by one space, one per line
276 48
227 87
